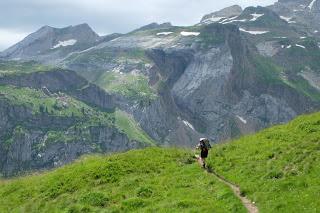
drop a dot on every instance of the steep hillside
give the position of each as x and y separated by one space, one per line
234 73
147 180
278 168
50 44
51 117
181 83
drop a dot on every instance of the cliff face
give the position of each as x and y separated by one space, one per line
235 72
63 81
29 149
55 135
50 45
221 89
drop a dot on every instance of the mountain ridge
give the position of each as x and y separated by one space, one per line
277 168
174 84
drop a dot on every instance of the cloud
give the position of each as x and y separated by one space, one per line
106 16
10 37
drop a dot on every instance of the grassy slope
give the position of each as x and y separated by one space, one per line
35 99
128 125
40 102
132 86
277 168
15 67
150 180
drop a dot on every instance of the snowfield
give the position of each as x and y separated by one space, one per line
233 20
253 32
188 124
242 119
213 19
255 16
298 45
184 33
65 43
164 33
287 19
311 4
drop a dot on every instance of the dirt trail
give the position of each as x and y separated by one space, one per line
250 206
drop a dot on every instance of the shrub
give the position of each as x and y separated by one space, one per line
95 199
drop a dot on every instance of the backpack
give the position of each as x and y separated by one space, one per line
205 144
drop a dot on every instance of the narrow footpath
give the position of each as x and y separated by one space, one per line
250 206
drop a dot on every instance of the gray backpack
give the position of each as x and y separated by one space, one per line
205 144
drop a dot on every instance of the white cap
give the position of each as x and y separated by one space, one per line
202 139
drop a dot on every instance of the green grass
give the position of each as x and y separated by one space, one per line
277 168
110 55
15 67
299 59
40 102
303 86
66 106
132 86
150 180
266 69
129 126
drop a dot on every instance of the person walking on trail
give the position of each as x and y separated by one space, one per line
204 146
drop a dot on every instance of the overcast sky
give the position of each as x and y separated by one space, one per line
18 18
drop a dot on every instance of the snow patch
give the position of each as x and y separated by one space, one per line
288 47
234 20
69 42
287 19
188 124
316 31
184 33
214 19
228 19
242 119
311 4
253 32
256 16
164 33
298 45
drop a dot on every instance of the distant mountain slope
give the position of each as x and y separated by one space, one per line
228 12
51 44
303 14
219 80
233 74
161 180
49 118
278 168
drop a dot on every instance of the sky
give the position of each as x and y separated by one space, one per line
21 17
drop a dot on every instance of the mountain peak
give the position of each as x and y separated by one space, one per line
227 12
154 25
82 26
51 38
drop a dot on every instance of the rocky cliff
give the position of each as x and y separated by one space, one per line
44 123
233 73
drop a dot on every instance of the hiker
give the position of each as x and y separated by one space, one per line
204 146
